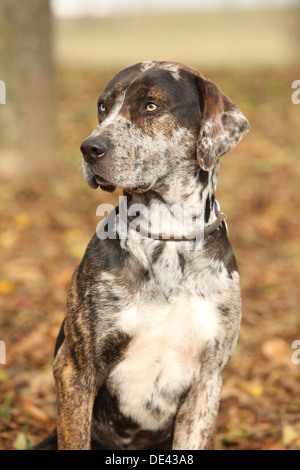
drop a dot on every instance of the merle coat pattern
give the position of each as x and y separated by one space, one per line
150 324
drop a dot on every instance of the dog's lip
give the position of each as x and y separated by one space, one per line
98 180
141 188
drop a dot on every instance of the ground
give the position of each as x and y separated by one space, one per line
47 220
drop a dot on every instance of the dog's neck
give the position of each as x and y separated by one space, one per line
194 193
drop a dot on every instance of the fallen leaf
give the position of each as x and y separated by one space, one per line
6 287
22 220
3 376
289 434
35 412
254 388
20 442
277 351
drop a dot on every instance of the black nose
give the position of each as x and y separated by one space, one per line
92 149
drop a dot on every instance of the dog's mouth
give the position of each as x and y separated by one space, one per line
104 184
107 186
142 188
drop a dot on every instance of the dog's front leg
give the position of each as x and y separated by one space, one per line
75 389
195 420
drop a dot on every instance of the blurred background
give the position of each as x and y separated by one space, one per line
55 59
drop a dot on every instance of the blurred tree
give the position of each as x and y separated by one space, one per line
26 120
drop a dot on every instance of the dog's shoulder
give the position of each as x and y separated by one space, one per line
218 248
107 276
104 255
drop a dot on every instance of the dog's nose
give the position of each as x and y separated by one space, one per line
91 150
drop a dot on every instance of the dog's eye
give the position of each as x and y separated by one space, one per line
102 108
151 107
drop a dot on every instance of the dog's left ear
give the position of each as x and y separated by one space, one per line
223 125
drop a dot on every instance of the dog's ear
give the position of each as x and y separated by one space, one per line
222 124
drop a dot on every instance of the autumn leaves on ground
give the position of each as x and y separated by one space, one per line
48 219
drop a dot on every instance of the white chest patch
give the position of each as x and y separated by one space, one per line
162 359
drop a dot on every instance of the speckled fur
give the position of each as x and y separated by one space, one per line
151 324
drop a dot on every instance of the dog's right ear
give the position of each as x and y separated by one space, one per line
223 125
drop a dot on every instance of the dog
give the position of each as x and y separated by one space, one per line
152 319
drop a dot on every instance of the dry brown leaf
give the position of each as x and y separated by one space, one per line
277 351
34 411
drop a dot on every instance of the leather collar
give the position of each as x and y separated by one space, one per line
202 233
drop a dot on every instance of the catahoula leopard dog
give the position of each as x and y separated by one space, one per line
152 319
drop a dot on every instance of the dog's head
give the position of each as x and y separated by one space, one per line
154 117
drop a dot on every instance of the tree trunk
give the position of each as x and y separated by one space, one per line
26 68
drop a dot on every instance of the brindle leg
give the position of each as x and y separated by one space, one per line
195 421
76 392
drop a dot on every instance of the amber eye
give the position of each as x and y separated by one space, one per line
151 107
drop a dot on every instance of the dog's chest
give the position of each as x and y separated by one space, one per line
162 359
